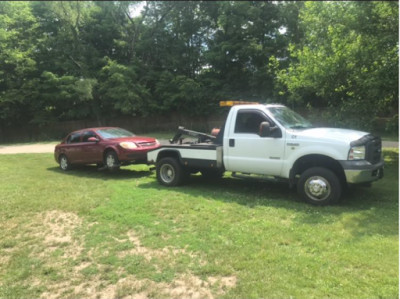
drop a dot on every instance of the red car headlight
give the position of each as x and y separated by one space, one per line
128 145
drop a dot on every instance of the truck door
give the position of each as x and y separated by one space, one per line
244 149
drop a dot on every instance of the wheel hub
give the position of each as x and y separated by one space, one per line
63 163
317 188
110 161
167 173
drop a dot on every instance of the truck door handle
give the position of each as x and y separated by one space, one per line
231 142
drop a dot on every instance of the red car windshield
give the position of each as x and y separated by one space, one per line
114 133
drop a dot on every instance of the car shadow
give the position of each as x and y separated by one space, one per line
91 171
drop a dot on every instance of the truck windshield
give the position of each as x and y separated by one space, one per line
290 119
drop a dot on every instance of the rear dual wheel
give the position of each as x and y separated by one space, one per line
170 172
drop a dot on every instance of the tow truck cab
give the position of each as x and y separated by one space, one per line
275 142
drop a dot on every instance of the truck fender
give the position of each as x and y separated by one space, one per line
315 160
169 153
299 153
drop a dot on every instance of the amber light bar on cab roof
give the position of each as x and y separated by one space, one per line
233 103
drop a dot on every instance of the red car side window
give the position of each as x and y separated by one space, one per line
74 138
87 135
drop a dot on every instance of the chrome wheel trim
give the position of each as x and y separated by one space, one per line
110 160
63 163
317 188
167 173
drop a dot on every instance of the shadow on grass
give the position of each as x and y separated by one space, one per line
362 211
259 193
91 171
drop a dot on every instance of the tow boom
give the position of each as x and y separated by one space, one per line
201 137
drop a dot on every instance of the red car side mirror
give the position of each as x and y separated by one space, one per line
93 139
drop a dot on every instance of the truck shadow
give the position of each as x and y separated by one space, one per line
253 193
362 211
91 171
233 190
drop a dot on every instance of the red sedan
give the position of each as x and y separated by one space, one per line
106 146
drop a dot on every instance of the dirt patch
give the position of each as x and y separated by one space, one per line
149 253
191 286
185 286
57 230
4 259
60 226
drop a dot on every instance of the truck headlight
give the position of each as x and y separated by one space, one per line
128 145
357 153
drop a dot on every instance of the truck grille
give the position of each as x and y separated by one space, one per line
373 147
373 150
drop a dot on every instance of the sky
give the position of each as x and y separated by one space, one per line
135 10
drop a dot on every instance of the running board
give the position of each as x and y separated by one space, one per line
257 177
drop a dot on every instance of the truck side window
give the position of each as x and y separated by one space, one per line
249 122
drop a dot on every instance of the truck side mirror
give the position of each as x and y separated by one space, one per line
265 129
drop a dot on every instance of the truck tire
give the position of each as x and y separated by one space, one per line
319 186
170 172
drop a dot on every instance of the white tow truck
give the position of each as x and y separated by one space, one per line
274 142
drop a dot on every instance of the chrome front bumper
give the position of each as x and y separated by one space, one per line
357 172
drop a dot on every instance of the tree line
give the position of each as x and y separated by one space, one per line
76 59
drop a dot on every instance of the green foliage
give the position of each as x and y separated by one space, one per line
393 124
18 67
120 89
180 93
65 97
71 60
347 59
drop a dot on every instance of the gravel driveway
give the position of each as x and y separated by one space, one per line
28 148
49 147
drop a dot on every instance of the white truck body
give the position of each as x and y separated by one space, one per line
275 145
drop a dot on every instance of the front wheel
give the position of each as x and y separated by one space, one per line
111 160
170 172
64 163
319 186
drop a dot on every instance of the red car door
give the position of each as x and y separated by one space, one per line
72 148
91 151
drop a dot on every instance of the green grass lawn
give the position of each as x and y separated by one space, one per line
91 234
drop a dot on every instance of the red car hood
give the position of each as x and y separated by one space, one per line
136 139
